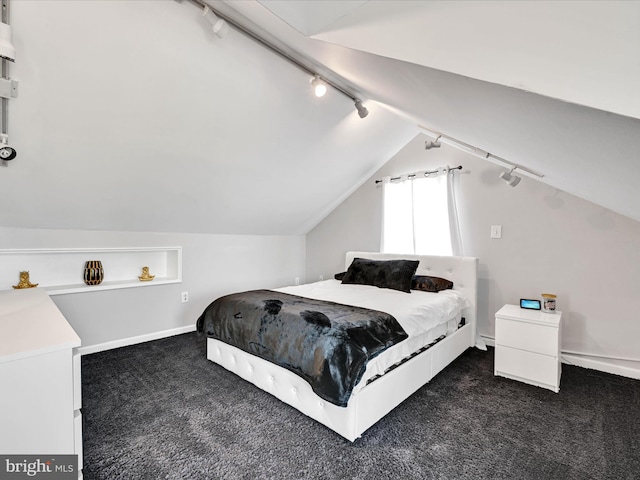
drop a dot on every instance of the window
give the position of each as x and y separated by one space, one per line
419 215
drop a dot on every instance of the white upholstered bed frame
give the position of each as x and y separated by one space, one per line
374 401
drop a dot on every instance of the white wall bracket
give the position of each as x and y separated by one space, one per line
8 88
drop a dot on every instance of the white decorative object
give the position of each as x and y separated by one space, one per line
528 346
40 377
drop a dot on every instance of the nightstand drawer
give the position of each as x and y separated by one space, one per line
528 367
527 336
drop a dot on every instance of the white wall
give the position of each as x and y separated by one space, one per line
552 242
213 265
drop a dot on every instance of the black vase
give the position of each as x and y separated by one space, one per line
93 272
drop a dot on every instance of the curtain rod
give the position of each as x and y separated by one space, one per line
254 36
426 174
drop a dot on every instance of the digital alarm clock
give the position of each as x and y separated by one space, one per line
530 304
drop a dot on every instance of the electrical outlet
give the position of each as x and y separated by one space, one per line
321 277
184 296
297 280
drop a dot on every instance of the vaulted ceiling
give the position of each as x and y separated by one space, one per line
132 116
580 52
552 86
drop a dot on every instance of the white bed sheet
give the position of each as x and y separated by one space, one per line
424 316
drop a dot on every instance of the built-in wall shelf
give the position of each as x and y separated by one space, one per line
61 270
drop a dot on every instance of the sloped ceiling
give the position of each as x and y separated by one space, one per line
584 52
132 116
551 86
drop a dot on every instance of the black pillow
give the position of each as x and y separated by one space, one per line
339 276
425 283
393 274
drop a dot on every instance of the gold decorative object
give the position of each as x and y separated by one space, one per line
93 272
145 277
24 281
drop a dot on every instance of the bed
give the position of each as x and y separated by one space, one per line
393 374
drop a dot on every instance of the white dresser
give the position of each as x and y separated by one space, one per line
40 397
528 346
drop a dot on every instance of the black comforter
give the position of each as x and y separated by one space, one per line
327 344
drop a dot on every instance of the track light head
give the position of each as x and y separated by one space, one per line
7 50
319 87
6 152
511 180
362 110
218 25
429 144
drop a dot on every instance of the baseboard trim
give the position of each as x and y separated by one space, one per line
624 368
124 342
617 367
490 341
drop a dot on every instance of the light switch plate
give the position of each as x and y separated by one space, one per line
496 231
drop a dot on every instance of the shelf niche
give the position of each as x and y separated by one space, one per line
60 271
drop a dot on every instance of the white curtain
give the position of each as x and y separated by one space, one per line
419 215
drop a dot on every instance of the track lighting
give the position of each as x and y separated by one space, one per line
362 110
503 162
218 25
512 180
221 24
8 87
319 87
429 144
6 152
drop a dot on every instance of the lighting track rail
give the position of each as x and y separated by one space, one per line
362 110
478 152
8 87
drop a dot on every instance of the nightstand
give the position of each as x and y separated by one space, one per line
528 346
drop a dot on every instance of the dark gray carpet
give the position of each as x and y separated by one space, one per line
161 410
